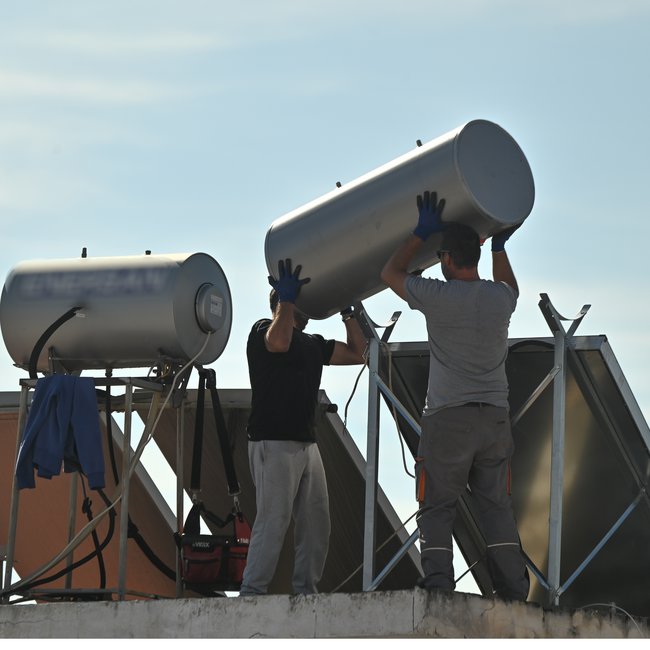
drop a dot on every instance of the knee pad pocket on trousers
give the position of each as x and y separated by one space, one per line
420 479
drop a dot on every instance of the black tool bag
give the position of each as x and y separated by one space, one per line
213 562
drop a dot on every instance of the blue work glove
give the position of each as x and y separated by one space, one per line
499 240
429 213
287 285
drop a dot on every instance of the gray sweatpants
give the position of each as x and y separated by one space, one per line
289 483
460 446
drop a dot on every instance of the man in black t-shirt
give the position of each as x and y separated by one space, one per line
285 366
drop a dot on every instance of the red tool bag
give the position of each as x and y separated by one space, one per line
213 562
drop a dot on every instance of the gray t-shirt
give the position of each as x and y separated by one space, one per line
467 324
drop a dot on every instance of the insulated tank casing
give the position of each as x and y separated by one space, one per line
344 238
136 310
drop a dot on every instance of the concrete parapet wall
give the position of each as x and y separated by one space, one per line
412 613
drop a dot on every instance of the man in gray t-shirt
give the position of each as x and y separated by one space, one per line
466 437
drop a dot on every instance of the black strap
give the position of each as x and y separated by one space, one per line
224 438
207 379
193 520
197 452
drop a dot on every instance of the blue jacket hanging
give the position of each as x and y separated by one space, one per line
62 427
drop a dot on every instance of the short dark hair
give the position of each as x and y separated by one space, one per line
274 299
463 245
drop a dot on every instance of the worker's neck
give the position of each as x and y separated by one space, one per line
467 275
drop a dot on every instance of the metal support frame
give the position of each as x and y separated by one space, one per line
608 535
563 345
126 489
28 384
372 466
562 342
13 508
180 464
557 467
377 387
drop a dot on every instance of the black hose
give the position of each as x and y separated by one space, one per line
149 553
86 509
78 563
36 352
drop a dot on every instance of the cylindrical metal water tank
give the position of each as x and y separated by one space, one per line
136 310
344 238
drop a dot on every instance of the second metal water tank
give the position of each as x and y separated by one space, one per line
135 310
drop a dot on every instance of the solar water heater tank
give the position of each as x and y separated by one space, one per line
134 310
344 238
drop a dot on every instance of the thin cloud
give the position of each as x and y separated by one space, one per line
119 44
66 135
15 85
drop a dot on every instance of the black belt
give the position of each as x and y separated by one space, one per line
479 404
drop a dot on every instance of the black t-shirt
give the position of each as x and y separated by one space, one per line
285 384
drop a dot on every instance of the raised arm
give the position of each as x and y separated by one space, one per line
278 336
288 285
395 271
501 269
352 351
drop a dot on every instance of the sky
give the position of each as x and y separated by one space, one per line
190 126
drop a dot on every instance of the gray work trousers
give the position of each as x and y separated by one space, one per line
289 483
470 444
